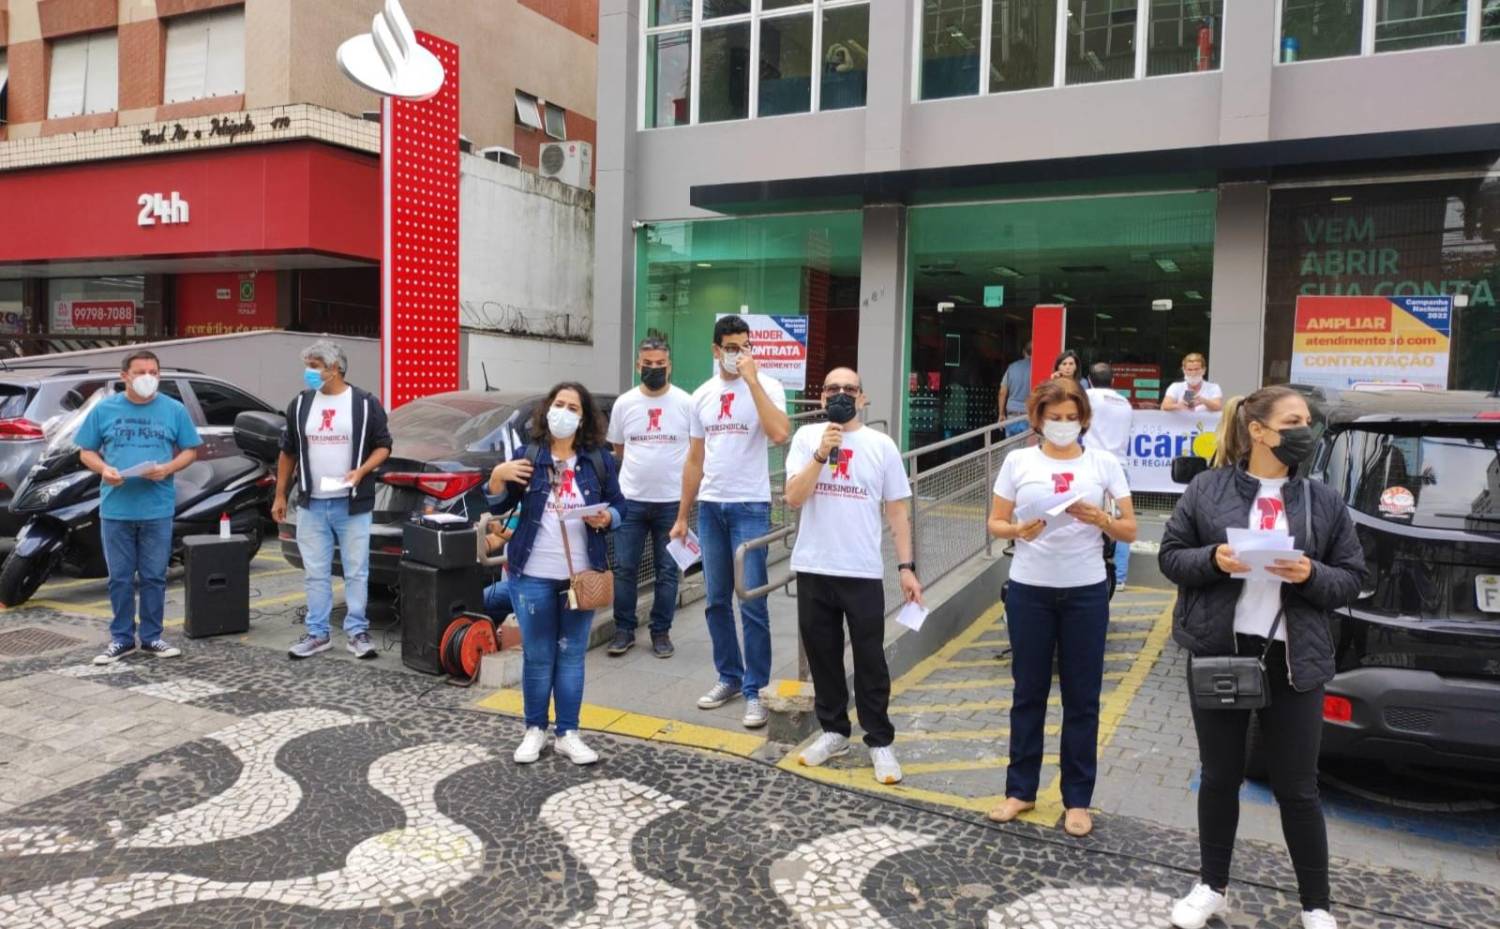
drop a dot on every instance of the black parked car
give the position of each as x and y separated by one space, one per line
444 449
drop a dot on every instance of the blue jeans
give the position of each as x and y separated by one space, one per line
319 523
137 551
638 519
554 641
1016 428
722 528
497 601
1069 622
1122 562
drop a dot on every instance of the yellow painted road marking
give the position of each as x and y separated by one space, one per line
636 725
939 659
864 779
1005 662
62 607
941 735
912 708
996 682
978 764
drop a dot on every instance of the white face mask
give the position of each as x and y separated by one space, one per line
730 362
144 385
1061 433
563 422
1193 379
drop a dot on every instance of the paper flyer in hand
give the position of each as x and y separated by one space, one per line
912 615
686 552
138 470
330 484
579 512
1051 510
1261 549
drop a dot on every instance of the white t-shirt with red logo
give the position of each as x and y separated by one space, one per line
547 558
1072 556
735 465
1206 390
654 431
330 429
839 533
1260 600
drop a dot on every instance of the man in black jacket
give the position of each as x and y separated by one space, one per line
335 438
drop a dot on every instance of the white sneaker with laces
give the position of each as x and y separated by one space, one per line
531 745
887 771
755 713
571 747
1200 905
1318 919
828 745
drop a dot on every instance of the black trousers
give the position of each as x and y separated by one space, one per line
1292 729
824 604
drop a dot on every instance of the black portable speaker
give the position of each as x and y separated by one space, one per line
439 545
430 599
216 597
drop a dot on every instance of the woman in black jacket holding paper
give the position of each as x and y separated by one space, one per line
1267 436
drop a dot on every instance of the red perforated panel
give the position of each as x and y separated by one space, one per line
419 334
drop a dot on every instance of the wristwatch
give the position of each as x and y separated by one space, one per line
907 566
821 461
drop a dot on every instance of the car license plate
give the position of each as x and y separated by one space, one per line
1487 592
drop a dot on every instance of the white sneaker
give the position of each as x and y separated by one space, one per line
571 747
531 745
828 745
1318 919
1200 905
887 771
755 714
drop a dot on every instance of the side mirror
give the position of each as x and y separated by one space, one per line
1186 468
72 400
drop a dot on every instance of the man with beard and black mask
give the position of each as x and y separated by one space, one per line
648 429
840 474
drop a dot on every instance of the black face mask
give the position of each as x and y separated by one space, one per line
840 408
653 378
1296 445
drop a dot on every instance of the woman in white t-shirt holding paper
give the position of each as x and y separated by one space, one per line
1053 499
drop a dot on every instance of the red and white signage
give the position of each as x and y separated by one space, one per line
214 304
1049 326
89 315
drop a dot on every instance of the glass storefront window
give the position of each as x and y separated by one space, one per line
666 12
951 30
785 65
1417 239
712 9
1185 36
797 265
1023 43
13 320
96 305
669 63
1101 40
1316 29
846 57
724 87
1489 21
978 270
1404 24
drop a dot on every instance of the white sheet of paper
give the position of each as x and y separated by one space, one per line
138 470
1259 559
442 518
1247 540
912 615
1051 510
579 512
687 552
330 484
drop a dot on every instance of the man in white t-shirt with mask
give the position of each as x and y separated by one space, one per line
648 428
841 474
1109 431
737 415
1193 394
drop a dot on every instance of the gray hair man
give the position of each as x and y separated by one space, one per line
336 436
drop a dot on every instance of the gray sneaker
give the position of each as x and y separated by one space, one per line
755 713
361 646
308 646
718 695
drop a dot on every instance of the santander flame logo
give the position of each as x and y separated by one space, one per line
389 61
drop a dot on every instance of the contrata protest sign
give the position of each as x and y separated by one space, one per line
1156 437
779 344
1368 341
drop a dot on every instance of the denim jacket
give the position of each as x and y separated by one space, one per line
532 497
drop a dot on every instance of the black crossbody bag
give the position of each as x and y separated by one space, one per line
1239 682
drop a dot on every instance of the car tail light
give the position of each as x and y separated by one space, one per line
19 429
1489 415
1337 709
265 480
444 485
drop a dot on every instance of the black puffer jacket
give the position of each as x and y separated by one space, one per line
1203 621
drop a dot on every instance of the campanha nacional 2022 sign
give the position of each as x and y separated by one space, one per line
1368 341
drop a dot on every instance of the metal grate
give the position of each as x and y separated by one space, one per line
1409 718
30 640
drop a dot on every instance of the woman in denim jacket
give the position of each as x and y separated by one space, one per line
563 467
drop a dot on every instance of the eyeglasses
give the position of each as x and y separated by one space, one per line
833 390
731 347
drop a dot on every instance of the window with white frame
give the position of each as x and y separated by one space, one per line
708 61
205 55
1317 29
84 75
528 111
556 120
4 79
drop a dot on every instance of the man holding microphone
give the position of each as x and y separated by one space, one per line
839 474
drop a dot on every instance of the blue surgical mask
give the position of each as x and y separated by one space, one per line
313 378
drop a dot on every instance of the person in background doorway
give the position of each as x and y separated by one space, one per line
841 474
648 429
1069 366
1015 387
336 436
1057 598
1194 394
737 415
124 431
1109 431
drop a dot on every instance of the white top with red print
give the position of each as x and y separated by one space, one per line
839 532
735 465
1260 600
1072 556
654 431
330 429
547 558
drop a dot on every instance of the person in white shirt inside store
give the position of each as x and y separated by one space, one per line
1109 430
648 428
1193 393
841 474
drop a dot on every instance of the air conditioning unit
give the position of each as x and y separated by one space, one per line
502 155
569 162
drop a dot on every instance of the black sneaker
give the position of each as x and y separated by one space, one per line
622 643
114 653
661 645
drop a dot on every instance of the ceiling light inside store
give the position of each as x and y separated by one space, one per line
1103 316
1062 298
1005 271
1341 198
1166 264
1161 306
705 264
1193 295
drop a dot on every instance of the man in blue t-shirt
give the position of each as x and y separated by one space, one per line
135 442
1015 387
